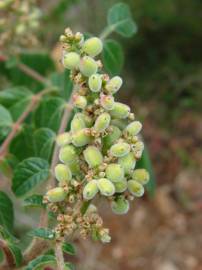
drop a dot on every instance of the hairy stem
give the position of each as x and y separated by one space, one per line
106 32
59 257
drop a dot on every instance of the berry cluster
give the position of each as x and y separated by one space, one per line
99 153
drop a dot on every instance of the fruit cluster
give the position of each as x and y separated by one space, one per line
98 155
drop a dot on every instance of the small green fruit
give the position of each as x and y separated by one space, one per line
138 148
127 162
68 154
141 176
81 138
75 167
120 149
71 60
88 66
109 139
114 172
134 128
120 110
120 186
135 188
95 82
106 187
102 122
114 85
56 194
107 102
77 123
93 156
120 123
90 190
92 46
80 101
63 139
120 206
88 120
63 173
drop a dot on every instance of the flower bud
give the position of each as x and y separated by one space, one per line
109 139
88 66
92 46
134 128
102 122
71 60
120 206
138 148
135 188
120 186
141 176
106 187
90 190
120 110
104 236
120 149
114 172
81 138
80 101
68 154
63 139
93 156
63 173
95 82
77 123
56 194
114 85
127 162
107 102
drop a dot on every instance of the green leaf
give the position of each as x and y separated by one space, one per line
145 162
34 200
113 57
120 20
6 235
6 212
63 82
19 107
49 113
28 174
41 261
6 120
69 266
16 252
69 249
1 256
44 233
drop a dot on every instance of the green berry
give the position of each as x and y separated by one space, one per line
88 66
102 122
107 102
106 187
120 186
63 139
127 162
56 194
120 149
134 128
114 172
120 110
81 138
141 176
68 154
114 85
120 123
109 139
92 46
63 173
71 60
77 123
93 156
135 188
95 82
75 167
90 190
120 206
80 101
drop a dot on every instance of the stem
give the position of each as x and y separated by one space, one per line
106 32
8 255
59 257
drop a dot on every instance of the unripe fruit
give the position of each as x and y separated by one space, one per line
80 101
71 60
141 176
56 194
127 162
77 123
88 120
63 173
109 139
106 187
134 128
120 186
75 167
120 149
120 123
92 46
120 110
63 139
93 156
81 138
107 102
120 206
135 188
95 82
138 148
114 85
90 190
68 154
114 172
88 66
102 122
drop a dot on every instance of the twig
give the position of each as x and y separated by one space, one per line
59 257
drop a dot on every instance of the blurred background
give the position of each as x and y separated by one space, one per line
162 75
